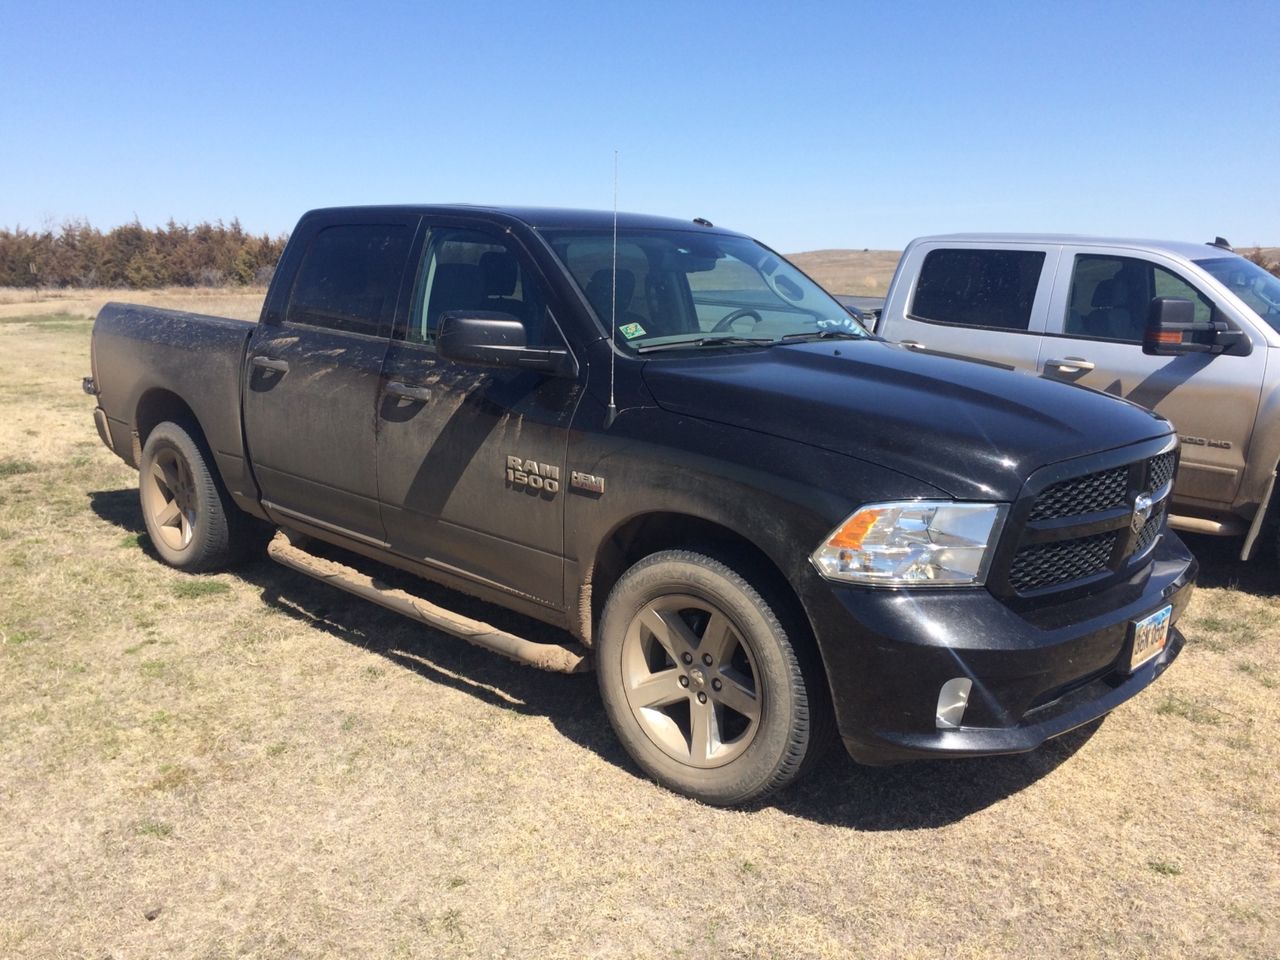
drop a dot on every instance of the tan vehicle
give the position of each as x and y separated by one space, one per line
1189 330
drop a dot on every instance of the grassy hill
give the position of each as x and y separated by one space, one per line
858 272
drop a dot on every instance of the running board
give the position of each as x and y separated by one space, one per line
545 656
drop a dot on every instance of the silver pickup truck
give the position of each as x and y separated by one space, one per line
1189 330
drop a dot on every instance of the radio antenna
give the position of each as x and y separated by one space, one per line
613 298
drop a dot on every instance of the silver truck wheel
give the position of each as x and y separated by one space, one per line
691 680
169 498
187 514
705 687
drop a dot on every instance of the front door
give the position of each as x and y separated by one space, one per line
313 375
471 460
1094 338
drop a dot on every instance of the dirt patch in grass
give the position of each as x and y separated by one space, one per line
272 769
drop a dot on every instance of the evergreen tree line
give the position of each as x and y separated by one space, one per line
175 255
78 255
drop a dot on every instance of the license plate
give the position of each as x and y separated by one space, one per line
1150 634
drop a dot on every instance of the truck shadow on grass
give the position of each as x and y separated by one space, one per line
838 792
1221 566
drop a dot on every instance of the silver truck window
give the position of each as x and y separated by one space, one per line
1111 297
978 288
349 277
473 270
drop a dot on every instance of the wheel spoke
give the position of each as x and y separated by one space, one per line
704 731
718 639
170 514
166 473
738 698
670 631
658 689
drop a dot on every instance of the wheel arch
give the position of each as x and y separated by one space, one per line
159 404
647 533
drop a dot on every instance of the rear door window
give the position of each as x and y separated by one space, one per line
350 276
978 288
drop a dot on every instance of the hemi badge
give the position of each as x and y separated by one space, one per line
586 481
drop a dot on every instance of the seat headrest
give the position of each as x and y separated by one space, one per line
456 286
601 283
500 271
1110 293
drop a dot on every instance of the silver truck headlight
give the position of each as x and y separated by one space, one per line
916 543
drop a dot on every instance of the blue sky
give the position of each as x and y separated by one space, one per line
808 125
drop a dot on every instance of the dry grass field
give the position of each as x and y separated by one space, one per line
242 302
251 764
857 272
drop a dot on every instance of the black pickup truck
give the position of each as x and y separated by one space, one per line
758 523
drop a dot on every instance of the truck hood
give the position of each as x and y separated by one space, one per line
970 428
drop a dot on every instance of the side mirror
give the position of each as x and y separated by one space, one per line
1170 322
491 339
1172 330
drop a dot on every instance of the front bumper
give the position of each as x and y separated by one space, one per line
1037 673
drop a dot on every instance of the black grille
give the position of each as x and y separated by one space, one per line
1159 470
1087 494
1149 533
1049 564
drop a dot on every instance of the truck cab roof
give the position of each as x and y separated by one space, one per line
539 218
1176 248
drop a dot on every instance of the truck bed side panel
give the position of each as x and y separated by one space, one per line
198 358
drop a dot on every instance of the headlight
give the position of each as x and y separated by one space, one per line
913 543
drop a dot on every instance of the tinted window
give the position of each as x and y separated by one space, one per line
471 270
978 288
1111 297
350 276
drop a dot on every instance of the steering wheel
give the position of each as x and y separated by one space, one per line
729 319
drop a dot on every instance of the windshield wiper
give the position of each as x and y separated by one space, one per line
822 335
707 342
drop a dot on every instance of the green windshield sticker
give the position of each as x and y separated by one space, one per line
632 330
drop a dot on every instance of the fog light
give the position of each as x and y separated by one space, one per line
952 699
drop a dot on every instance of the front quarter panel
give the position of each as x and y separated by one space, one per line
781 495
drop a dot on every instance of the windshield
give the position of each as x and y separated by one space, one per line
674 287
1248 281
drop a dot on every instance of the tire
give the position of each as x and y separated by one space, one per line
189 516
706 689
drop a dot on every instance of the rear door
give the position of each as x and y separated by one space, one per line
1098 312
313 370
471 459
975 300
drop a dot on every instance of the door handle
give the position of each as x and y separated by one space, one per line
1069 365
270 363
418 394
912 344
